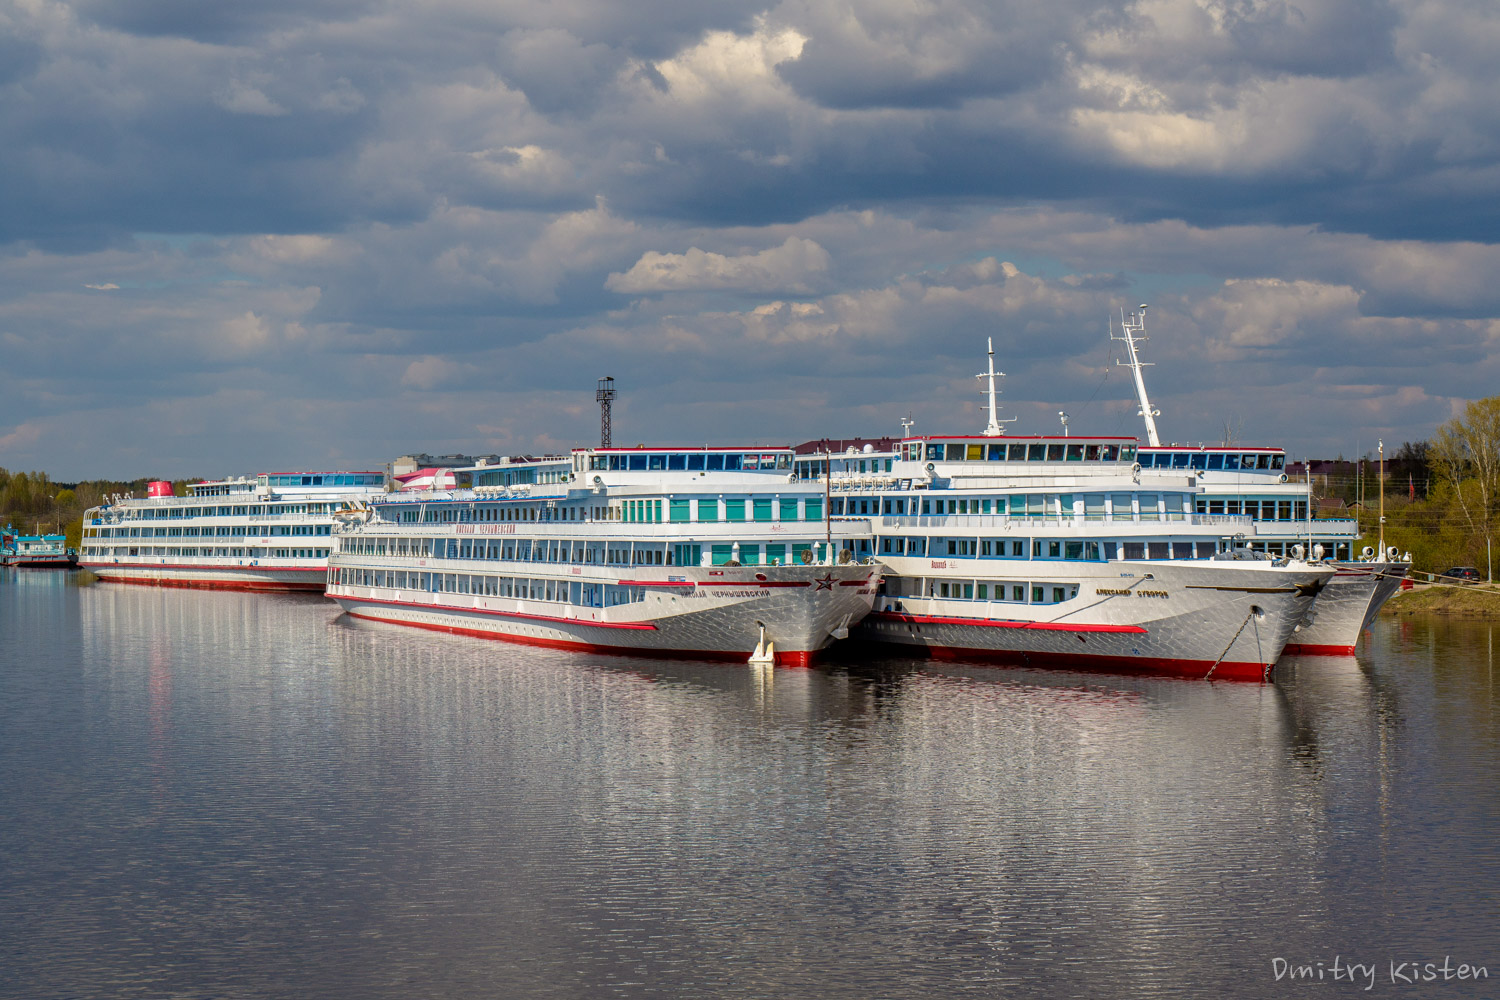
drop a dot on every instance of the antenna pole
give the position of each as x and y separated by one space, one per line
605 395
1133 330
993 428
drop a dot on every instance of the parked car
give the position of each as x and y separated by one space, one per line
1460 574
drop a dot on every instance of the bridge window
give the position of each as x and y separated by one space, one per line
1215 462
1054 453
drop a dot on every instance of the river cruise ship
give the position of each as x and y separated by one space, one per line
36 551
1054 551
264 532
1253 481
702 552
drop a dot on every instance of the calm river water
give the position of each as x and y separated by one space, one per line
224 795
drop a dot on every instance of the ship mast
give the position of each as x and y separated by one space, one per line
993 429
1132 330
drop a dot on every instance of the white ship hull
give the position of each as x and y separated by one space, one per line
701 612
247 574
1187 618
1346 607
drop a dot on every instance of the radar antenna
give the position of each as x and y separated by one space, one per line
993 429
906 425
1132 331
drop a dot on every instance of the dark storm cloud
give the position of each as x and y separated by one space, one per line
441 222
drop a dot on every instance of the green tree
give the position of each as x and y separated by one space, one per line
1465 458
18 496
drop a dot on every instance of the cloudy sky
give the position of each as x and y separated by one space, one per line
323 233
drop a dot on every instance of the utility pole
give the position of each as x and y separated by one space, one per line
1381 445
605 395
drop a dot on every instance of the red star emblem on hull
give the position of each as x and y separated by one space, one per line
826 583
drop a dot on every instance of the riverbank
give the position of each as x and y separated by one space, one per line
1479 601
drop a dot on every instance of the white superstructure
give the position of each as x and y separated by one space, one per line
266 532
712 552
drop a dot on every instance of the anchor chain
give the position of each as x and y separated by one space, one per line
1209 676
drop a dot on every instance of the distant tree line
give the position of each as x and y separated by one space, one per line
36 505
1449 521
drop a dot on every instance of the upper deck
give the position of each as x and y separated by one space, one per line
1216 463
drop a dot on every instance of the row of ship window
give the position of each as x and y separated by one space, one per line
219 531
813 469
689 462
520 477
1212 461
676 511
1032 451
1044 548
1091 506
584 553
174 513
1007 591
324 479
577 592
185 552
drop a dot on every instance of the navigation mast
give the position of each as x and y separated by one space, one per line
993 429
604 395
1133 330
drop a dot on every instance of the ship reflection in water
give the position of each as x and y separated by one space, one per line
251 795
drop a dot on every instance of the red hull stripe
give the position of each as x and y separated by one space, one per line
1007 623
640 626
256 585
658 583
752 583
1317 649
1198 669
783 659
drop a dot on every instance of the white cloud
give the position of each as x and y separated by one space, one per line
244 99
728 65
785 267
